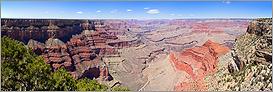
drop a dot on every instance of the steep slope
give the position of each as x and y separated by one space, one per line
197 62
40 29
248 67
162 75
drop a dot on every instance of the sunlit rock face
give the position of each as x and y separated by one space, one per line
40 29
56 54
81 55
248 66
197 62
140 54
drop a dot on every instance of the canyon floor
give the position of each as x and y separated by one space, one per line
147 66
148 55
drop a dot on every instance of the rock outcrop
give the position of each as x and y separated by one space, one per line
40 29
248 67
256 44
56 54
77 45
81 55
197 62
131 50
86 50
37 47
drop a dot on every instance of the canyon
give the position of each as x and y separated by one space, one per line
248 66
144 55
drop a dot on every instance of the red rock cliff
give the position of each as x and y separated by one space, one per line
197 62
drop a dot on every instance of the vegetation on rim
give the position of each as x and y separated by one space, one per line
22 70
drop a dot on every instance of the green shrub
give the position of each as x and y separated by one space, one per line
86 84
22 70
120 88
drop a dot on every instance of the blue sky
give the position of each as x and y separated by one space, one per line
134 10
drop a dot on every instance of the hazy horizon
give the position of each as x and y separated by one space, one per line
135 10
135 19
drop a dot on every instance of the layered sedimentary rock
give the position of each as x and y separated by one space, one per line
134 52
256 44
39 29
81 55
162 34
56 54
128 39
37 47
77 45
197 62
248 67
86 51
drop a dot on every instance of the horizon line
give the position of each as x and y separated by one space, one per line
131 18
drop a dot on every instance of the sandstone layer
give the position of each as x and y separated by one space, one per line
197 62
144 55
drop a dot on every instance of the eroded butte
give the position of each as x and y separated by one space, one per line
148 55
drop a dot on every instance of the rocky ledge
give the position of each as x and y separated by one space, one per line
248 67
197 62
